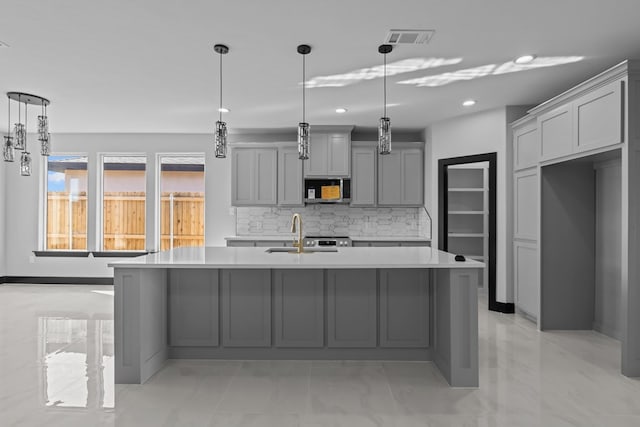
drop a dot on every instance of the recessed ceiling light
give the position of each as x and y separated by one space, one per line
469 103
341 110
524 59
223 110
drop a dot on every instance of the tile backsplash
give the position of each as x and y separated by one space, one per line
335 220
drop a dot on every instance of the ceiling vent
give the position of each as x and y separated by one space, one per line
409 36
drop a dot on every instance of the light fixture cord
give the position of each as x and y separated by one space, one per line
19 108
220 109
385 86
304 83
9 116
25 125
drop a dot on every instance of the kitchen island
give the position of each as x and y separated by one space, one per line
399 303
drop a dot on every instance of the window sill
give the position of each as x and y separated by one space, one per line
85 254
62 254
118 254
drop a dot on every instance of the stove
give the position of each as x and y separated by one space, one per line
322 241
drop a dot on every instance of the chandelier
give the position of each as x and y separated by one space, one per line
18 139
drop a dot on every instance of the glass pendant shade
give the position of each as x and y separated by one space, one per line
221 139
25 164
384 136
303 140
45 145
8 152
19 136
43 128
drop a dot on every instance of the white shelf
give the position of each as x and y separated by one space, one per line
467 212
475 257
467 235
466 190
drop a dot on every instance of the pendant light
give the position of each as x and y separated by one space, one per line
221 127
8 150
19 139
384 126
43 131
303 127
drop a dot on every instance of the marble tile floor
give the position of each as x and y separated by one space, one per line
56 369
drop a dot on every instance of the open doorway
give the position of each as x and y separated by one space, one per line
467 215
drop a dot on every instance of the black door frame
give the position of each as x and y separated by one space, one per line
443 217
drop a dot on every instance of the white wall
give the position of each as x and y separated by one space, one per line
23 199
3 181
483 132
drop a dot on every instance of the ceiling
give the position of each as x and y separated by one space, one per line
149 65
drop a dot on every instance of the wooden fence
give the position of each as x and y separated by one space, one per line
124 220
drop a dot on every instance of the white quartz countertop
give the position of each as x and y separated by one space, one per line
231 257
354 238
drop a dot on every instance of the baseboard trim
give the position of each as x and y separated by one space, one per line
48 280
502 307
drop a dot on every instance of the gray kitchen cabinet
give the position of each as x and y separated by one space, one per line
351 309
193 307
390 243
299 308
525 277
556 132
329 155
404 308
290 179
363 176
401 177
526 147
259 243
246 308
241 243
254 177
599 117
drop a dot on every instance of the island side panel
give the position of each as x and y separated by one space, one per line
298 308
140 313
404 308
352 312
456 326
246 308
193 307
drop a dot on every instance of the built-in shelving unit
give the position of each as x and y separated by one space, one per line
468 214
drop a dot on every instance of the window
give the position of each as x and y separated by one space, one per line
124 203
181 201
66 207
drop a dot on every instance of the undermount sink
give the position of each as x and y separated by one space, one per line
292 250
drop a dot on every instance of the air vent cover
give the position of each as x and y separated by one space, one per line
409 36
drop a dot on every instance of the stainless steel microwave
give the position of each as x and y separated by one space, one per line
327 190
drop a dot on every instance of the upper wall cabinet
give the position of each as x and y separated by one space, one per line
289 177
363 176
592 120
598 117
526 151
329 155
254 177
401 177
556 136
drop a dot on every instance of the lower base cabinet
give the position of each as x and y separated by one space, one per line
352 309
298 308
246 308
404 308
299 312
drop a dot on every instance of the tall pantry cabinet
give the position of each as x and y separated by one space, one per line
575 201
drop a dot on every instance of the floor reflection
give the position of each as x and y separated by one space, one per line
77 362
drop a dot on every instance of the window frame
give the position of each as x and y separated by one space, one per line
44 211
158 191
100 201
